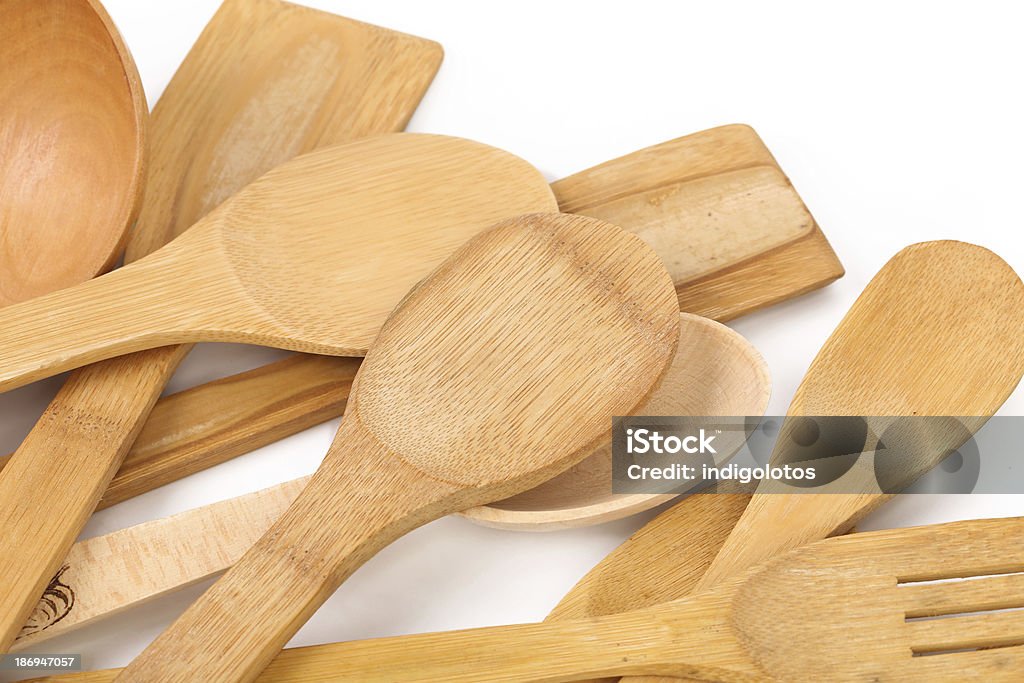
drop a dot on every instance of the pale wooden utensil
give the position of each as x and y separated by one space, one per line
72 145
938 331
736 199
265 81
716 372
327 243
933 603
310 257
495 373
723 374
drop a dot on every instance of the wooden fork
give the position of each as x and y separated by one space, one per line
933 603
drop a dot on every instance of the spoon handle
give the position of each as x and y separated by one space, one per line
348 511
131 309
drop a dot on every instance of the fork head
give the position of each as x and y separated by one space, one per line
943 602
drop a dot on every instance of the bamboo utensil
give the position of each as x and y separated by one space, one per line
932 603
72 145
715 371
936 332
735 195
523 329
310 257
314 254
265 81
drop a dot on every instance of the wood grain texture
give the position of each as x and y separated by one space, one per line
258 65
184 439
265 82
844 595
72 145
936 332
732 230
335 213
522 329
311 257
716 372
128 567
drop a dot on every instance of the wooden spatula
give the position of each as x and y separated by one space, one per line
938 331
265 81
933 603
728 240
495 373
317 251
715 371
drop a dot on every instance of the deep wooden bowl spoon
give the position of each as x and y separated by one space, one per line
72 143
497 372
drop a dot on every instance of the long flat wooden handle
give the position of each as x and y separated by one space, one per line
129 567
681 639
337 523
52 453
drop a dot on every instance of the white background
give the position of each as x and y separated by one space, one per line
897 122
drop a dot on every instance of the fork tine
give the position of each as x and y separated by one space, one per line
1004 664
955 597
991 629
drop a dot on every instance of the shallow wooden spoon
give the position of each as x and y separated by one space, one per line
938 331
931 603
72 145
310 257
495 373
715 372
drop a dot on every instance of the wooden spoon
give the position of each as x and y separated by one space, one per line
265 81
938 331
72 145
731 212
310 257
715 371
522 331
887 605
317 251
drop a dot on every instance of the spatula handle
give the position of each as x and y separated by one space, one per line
49 464
354 506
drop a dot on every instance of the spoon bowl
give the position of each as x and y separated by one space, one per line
72 142
715 372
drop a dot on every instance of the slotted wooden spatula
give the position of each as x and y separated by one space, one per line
266 80
493 374
933 603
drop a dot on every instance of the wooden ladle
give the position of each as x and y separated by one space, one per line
310 257
72 143
495 373
717 372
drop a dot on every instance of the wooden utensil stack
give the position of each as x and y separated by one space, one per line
503 321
